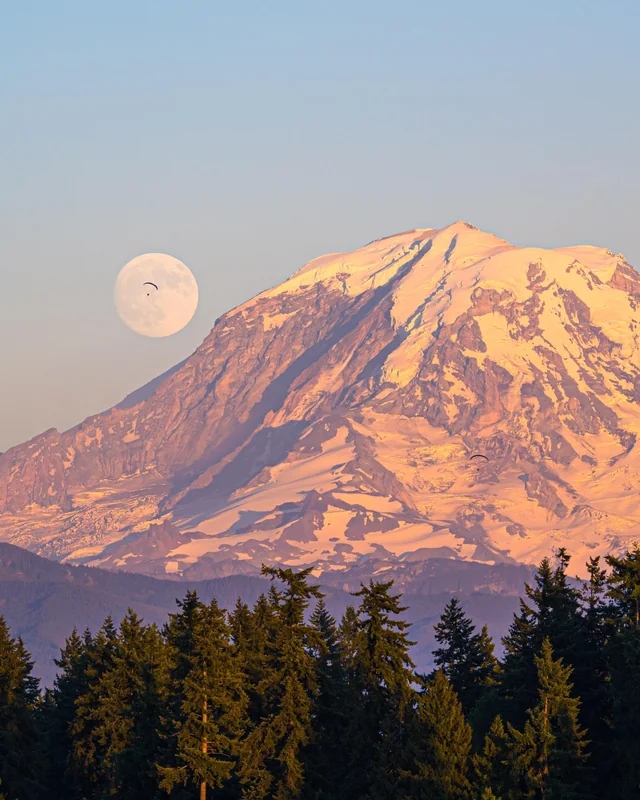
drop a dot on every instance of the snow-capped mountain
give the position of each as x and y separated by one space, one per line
333 419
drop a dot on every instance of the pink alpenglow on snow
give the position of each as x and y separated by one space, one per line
334 419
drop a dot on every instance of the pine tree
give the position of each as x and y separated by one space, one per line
553 612
260 705
441 744
59 715
241 628
490 769
88 747
128 707
488 702
19 739
179 633
623 657
596 709
382 695
137 761
548 756
324 761
466 657
624 587
209 702
253 634
348 637
273 752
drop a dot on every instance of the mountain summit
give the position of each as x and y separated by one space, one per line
333 421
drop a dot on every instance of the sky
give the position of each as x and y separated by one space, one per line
246 139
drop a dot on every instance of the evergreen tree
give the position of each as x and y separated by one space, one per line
59 714
441 744
128 708
488 702
88 747
623 588
19 739
553 612
382 695
348 637
261 705
241 628
465 657
596 708
325 761
548 756
623 657
272 763
253 634
137 762
209 702
490 765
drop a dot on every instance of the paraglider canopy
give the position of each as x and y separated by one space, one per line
478 455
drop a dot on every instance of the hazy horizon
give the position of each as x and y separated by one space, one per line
246 141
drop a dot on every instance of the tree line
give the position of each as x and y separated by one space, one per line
273 702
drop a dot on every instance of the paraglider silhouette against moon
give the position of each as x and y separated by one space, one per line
147 310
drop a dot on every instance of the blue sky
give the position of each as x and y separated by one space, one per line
246 139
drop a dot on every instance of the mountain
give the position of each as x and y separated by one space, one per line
332 421
42 600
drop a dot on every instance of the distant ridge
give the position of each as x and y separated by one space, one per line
42 600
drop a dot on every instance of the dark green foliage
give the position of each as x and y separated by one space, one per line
348 633
623 656
132 694
624 588
253 634
60 713
265 704
490 766
382 696
19 700
553 612
207 705
595 694
465 657
441 745
89 747
272 755
548 757
325 760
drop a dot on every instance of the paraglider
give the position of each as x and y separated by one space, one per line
148 283
478 455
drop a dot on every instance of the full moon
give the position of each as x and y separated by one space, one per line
156 295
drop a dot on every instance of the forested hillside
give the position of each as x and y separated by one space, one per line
266 702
